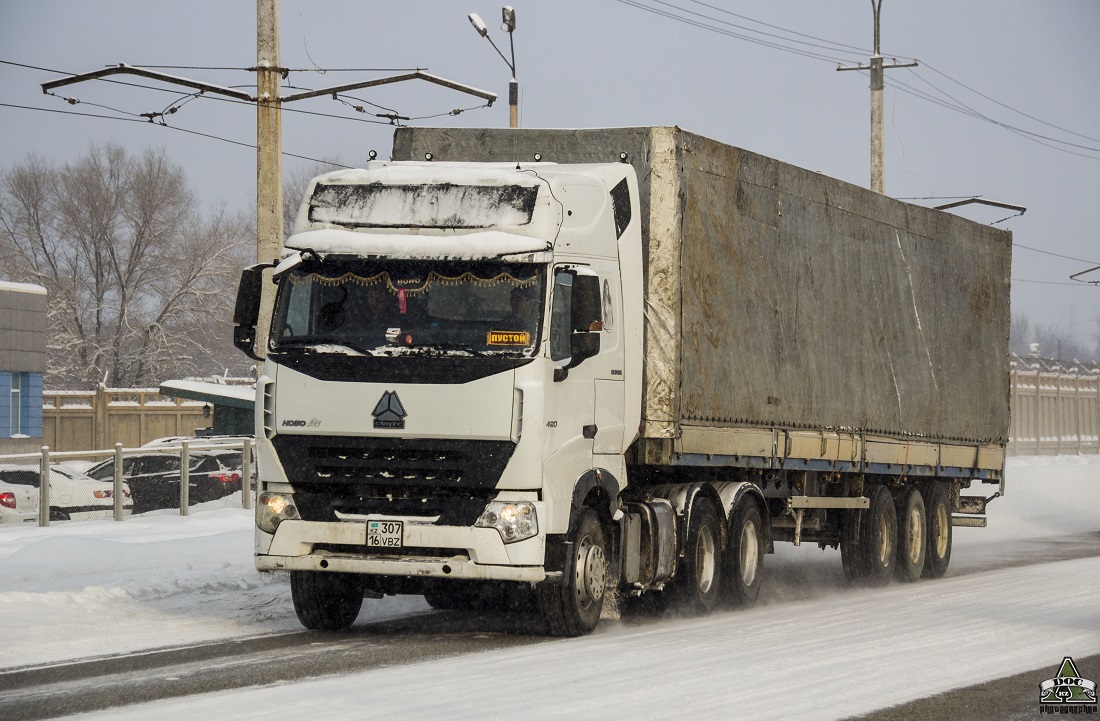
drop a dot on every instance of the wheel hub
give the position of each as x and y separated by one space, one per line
592 571
749 554
916 534
705 561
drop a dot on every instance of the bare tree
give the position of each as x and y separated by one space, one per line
1019 334
141 283
1054 342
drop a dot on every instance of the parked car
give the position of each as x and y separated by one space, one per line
18 503
73 496
154 477
222 440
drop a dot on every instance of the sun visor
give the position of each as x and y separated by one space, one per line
485 245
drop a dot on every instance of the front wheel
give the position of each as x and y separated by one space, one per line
326 601
573 607
745 555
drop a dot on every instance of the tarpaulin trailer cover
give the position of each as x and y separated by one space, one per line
779 297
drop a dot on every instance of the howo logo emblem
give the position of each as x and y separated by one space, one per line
389 413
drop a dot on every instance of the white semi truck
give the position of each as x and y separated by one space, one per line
568 363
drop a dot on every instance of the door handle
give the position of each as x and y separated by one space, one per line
589 431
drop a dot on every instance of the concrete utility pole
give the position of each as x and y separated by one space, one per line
269 158
876 66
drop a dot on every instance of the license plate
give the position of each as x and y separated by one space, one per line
384 534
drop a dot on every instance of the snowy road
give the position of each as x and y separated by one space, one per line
816 649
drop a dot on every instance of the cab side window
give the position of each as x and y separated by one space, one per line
561 325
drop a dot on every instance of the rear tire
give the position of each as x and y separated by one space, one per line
744 563
937 504
879 537
326 601
699 576
851 550
912 535
573 607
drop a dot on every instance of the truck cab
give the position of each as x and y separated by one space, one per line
453 371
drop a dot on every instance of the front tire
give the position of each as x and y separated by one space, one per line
326 601
744 567
573 607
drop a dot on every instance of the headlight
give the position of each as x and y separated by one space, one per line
272 509
514 520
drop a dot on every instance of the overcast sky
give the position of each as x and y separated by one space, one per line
602 63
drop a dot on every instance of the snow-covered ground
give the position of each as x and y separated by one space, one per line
823 651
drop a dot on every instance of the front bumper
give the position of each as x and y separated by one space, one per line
427 551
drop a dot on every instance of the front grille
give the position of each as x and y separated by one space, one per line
389 465
449 479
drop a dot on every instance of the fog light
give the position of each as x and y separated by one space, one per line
514 520
274 508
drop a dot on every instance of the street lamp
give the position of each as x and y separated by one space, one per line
508 24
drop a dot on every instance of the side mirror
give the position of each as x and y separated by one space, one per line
246 312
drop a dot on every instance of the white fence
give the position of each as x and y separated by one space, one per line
1055 407
46 459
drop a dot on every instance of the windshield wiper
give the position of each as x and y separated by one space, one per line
310 343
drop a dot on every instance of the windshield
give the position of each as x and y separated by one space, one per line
411 307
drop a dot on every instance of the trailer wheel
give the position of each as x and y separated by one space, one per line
851 549
937 504
699 576
879 537
912 535
573 607
326 601
744 567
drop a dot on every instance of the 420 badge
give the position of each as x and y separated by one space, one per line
384 534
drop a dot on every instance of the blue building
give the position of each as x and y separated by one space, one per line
23 330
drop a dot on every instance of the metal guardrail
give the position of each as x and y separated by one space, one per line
46 459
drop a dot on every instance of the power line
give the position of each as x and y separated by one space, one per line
1007 107
204 97
863 51
289 70
720 31
144 121
1050 282
831 46
1056 255
976 114
954 104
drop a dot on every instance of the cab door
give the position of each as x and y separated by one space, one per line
570 397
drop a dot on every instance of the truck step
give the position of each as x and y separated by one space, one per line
970 521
